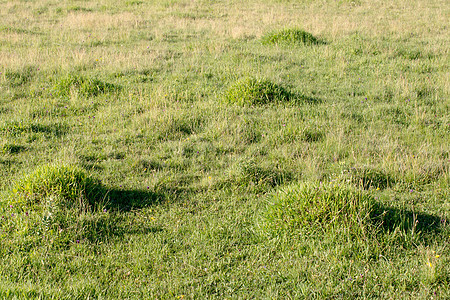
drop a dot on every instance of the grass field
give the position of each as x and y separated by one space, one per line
196 149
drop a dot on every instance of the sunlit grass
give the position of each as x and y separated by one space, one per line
164 150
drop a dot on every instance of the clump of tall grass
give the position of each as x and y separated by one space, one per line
290 36
56 206
252 91
80 85
320 207
65 184
352 213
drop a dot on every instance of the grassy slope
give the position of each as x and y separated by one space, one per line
198 170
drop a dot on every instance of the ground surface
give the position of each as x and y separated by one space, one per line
201 197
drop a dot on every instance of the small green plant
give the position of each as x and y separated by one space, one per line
87 87
319 206
68 185
290 37
251 91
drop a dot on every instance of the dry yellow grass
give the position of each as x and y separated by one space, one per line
218 22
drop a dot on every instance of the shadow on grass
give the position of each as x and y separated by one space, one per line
7 162
298 98
12 149
368 177
116 225
126 200
118 217
16 128
390 219
144 230
302 99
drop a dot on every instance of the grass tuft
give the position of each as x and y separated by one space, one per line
251 91
252 176
55 207
290 37
67 185
319 207
84 86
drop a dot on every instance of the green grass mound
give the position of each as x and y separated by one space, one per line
80 85
56 206
319 207
290 37
67 185
340 209
251 91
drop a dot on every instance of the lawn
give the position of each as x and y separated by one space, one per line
197 149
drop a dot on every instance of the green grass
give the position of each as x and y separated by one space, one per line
192 149
252 91
320 207
290 37
87 87
66 184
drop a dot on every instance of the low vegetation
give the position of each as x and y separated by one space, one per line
65 184
320 207
290 36
183 149
251 91
68 85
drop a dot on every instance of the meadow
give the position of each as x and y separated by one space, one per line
221 149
